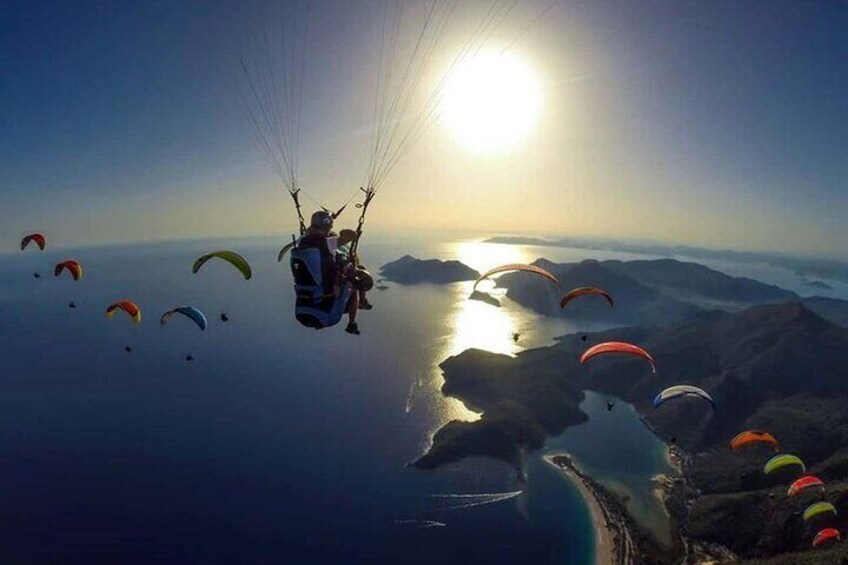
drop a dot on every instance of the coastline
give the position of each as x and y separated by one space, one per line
607 536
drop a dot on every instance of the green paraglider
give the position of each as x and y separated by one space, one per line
230 257
817 509
781 461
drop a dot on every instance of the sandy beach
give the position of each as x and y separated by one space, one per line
604 541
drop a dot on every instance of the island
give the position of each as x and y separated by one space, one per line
485 297
409 270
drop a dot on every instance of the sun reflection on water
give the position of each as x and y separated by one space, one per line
475 324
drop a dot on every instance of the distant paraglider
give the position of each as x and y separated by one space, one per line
532 269
72 266
230 257
782 461
680 391
584 291
128 306
804 483
36 237
826 535
190 312
618 347
817 509
753 437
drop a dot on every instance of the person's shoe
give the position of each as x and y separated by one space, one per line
365 305
352 329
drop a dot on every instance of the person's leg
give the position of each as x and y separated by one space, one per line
363 300
352 308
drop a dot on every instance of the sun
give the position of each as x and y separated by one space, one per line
491 102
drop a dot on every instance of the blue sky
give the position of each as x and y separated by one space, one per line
704 123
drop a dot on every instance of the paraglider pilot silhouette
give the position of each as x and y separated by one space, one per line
327 280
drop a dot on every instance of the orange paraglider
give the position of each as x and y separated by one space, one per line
128 306
751 437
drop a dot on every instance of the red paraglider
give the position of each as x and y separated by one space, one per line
72 266
532 269
618 347
37 237
805 482
583 291
827 534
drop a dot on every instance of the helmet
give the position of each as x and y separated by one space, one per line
321 220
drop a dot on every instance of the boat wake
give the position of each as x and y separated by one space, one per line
416 382
473 500
422 524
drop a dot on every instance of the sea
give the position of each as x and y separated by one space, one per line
278 443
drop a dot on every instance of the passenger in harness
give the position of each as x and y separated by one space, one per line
327 282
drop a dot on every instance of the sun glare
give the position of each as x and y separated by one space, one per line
492 102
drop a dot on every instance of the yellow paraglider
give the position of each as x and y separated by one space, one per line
230 257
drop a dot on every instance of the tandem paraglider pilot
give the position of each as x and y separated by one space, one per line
327 281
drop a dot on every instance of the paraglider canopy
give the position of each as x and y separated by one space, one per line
532 269
805 482
679 391
72 266
827 534
751 437
783 460
818 508
618 347
584 291
190 312
128 306
230 257
37 237
281 255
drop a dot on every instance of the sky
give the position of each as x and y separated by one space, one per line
716 124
